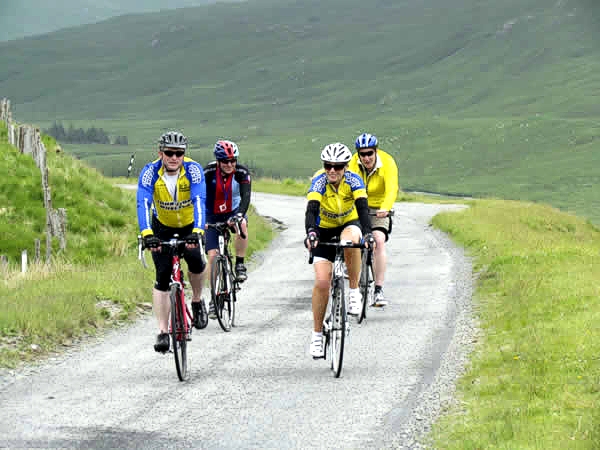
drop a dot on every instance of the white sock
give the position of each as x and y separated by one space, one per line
356 290
316 335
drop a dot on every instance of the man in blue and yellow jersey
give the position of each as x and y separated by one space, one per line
380 175
171 199
337 207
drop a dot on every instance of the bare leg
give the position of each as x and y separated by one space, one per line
241 245
379 258
162 308
320 294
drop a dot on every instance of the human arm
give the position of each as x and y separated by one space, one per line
310 223
391 185
197 195
145 192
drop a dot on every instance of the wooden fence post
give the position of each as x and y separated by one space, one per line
37 251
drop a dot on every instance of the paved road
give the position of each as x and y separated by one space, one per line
257 387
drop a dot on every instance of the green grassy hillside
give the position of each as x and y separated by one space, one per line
472 97
99 215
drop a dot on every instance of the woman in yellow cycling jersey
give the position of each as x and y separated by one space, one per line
337 207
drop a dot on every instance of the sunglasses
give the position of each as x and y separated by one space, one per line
170 153
228 161
336 167
363 154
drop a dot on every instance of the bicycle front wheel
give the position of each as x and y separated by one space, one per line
221 292
179 332
337 334
366 285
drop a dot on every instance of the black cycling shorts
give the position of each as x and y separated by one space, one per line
327 235
162 261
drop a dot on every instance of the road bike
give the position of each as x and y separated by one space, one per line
367 276
336 326
223 280
181 318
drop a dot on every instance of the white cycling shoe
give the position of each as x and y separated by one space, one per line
316 346
380 300
354 300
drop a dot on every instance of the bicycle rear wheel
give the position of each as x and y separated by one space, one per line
179 332
221 292
337 333
366 285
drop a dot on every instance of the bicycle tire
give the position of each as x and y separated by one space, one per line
337 333
178 333
366 285
221 293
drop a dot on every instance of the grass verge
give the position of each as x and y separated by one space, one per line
534 378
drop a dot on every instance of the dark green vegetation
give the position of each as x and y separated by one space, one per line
472 97
20 18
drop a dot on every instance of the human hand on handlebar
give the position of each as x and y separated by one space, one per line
193 240
311 240
236 219
152 242
369 240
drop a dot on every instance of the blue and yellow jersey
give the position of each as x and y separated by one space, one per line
337 205
381 182
187 206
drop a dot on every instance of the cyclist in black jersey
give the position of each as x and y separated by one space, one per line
228 189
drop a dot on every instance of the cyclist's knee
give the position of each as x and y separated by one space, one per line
161 285
322 284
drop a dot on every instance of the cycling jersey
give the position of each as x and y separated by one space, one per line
381 183
185 207
337 206
227 194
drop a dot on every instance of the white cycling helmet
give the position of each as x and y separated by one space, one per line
336 153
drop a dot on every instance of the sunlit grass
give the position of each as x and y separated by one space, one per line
534 380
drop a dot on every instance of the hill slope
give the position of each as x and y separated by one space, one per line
472 97
99 215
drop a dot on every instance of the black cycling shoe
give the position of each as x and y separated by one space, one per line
240 272
200 315
162 343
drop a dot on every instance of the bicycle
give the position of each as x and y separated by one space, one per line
223 281
336 326
180 320
367 276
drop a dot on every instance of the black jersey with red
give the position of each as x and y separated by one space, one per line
227 194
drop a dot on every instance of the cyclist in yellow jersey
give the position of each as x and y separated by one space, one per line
171 199
337 207
380 175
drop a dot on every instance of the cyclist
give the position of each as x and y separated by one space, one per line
171 199
380 174
228 189
337 207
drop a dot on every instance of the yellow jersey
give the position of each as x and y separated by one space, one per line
381 183
337 205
